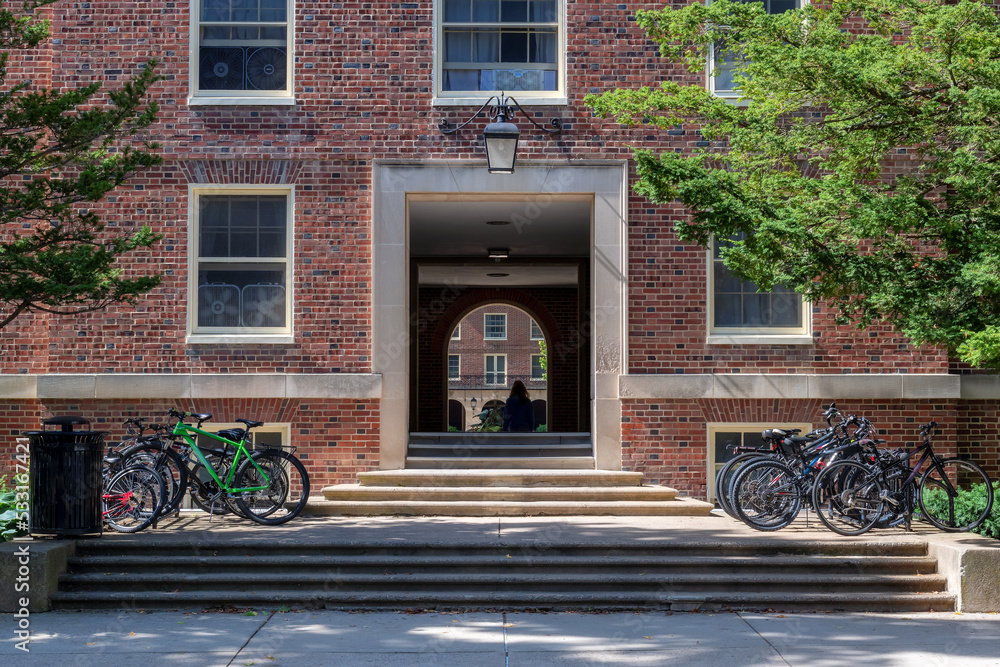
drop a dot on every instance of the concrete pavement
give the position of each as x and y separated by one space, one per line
483 639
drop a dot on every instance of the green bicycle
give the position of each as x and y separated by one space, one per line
269 486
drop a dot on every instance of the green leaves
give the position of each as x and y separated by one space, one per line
861 161
60 152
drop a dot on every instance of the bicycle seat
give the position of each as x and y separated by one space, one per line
235 434
112 459
201 416
250 424
772 433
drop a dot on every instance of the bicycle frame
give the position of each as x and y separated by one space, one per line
186 431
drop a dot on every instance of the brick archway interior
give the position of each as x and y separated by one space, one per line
558 313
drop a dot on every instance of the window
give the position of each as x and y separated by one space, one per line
723 63
495 326
488 46
242 53
454 366
722 438
738 308
496 369
457 333
536 331
537 372
241 268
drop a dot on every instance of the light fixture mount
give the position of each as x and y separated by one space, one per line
501 136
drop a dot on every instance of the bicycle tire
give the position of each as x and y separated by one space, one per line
286 495
944 498
203 502
848 498
172 468
765 495
133 498
724 479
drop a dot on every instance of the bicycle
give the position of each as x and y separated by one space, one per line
767 494
852 497
133 496
155 451
269 486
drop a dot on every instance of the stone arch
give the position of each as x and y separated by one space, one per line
563 375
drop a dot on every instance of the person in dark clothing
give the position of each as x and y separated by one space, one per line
517 416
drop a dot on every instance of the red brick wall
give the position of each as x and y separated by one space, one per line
335 439
667 439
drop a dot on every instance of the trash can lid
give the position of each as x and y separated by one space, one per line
67 422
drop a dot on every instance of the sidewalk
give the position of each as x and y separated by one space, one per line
483 639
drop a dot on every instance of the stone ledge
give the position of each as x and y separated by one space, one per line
47 560
805 386
971 563
191 385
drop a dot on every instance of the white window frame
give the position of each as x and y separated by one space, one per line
457 333
486 326
524 97
532 327
801 335
487 372
198 97
532 367
213 335
728 95
741 427
457 376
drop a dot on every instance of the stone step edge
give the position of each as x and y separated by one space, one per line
679 506
402 599
521 493
500 477
709 580
923 565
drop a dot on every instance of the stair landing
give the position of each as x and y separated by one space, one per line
514 492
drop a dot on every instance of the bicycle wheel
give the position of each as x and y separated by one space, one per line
724 479
171 467
956 497
133 498
765 495
287 487
848 498
201 496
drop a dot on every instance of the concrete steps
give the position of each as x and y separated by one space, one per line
822 576
509 492
500 450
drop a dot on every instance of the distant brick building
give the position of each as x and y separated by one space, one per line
323 238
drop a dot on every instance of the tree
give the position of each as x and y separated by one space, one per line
60 153
861 162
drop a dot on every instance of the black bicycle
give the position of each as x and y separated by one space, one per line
881 488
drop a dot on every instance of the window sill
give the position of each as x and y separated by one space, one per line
553 100
759 339
240 101
239 339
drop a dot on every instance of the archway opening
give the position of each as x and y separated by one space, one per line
493 347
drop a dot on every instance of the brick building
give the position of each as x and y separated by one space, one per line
323 238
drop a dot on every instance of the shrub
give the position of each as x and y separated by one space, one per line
967 504
8 513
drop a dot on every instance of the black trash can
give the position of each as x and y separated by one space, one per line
64 481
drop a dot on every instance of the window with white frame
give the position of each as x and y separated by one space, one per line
496 369
536 331
241 49
457 333
739 308
489 46
724 62
723 438
537 370
241 251
495 326
454 366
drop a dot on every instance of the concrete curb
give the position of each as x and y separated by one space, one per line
971 564
45 560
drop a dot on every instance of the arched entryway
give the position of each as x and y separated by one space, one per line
559 313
